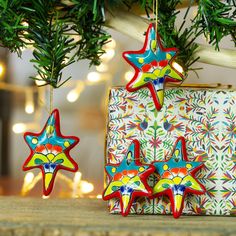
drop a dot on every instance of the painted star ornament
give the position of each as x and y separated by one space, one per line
50 151
177 177
154 65
128 179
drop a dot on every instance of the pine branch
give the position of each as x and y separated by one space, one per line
217 20
49 24
88 19
11 27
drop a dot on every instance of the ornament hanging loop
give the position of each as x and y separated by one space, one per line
155 12
51 99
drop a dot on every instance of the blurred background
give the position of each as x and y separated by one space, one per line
82 104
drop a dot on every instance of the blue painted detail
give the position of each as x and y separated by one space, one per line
161 80
172 162
51 138
178 189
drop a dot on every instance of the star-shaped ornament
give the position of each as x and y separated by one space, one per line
177 177
50 151
128 179
154 65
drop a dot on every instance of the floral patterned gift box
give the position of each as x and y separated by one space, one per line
207 120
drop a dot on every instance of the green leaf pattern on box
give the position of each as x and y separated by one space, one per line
206 118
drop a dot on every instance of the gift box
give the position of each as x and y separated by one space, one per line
207 120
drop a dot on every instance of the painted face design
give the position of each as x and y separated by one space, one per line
153 66
128 179
177 177
50 151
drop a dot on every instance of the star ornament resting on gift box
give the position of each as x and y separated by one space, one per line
177 177
50 151
128 179
153 66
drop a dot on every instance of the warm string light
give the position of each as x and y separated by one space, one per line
28 179
93 77
129 75
74 94
79 187
2 69
29 182
29 101
86 187
178 67
102 67
108 55
19 128
39 81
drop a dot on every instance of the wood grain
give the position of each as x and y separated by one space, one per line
89 217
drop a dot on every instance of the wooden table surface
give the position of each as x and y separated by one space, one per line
83 217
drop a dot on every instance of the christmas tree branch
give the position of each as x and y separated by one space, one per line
49 25
132 25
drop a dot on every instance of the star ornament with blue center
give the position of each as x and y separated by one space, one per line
50 151
177 177
154 65
128 179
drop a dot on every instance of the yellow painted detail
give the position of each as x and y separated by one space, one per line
48 179
165 167
39 156
125 179
160 95
194 184
141 169
157 72
141 60
177 180
113 185
125 201
153 45
177 153
178 202
140 81
49 129
168 56
113 170
129 156
189 166
34 140
66 144
50 156
161 185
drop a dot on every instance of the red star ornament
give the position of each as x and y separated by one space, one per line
49 151
177 177
128 179
154 65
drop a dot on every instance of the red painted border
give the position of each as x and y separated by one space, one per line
55 113
168 192
149 85
143 178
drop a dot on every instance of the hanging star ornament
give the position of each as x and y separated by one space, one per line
154 65
50 151
177 177
128 179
